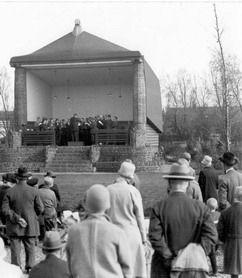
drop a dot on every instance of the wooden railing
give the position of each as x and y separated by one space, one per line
110 136
38 138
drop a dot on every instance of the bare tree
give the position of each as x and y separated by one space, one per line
5 91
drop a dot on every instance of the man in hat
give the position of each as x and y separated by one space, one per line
229 181
96 247
52 266
188 157
126 211
208 180
178 221
74 127
21 205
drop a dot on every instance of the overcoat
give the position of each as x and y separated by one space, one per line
230 232
227 185
22 201
208 182
126 211
96 248
175 222
50 267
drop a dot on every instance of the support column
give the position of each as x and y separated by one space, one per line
139 105
20 98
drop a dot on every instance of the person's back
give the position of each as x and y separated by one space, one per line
96 248
187 225
96 235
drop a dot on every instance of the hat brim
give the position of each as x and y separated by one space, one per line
27 175
128 177
230 163
177 177
206 163
41 245
50 176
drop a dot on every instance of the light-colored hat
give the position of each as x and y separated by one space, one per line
187 156
52 241
179 172
207 160
97 198
48 181
127 170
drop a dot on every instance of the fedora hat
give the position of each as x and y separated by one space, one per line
179 172
127 170
52 241
207 160
229 158
50 174
23 173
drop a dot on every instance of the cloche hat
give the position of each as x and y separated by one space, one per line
97 198
179 172
207 160
127 170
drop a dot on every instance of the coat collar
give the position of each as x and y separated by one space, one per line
102 216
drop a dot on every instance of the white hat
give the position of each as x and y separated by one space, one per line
127 170
3 252
207 160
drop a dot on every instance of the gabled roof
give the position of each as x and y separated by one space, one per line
81 47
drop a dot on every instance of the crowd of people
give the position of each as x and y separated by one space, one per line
75 128
108 237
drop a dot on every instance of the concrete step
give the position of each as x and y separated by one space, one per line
72 169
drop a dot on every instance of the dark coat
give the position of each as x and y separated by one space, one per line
74 123
230 232
175 222
227 185
22 201
208 182
51 267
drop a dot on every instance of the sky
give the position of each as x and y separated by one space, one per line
171 35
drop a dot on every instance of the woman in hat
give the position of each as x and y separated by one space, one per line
208 180
126 212
96 247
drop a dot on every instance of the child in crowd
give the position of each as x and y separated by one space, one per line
213 205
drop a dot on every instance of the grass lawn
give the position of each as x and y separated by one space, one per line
73 186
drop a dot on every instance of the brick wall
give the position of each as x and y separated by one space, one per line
31 157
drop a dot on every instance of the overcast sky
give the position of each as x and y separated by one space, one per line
170 35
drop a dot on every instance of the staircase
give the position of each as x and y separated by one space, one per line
70 159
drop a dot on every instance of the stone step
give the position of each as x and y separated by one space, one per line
72 169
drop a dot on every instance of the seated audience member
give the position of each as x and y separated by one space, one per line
33 182
108 243
52 266
48 219
69 218
212 204
8 270
229 232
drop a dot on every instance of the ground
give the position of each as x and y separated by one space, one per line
73 186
